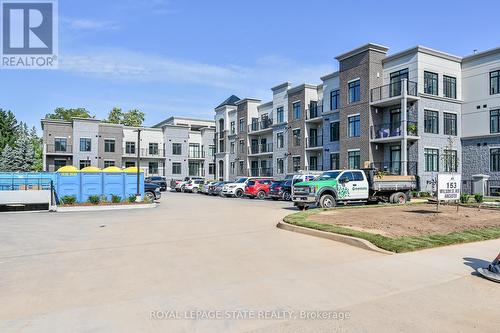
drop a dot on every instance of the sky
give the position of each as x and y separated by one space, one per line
182 58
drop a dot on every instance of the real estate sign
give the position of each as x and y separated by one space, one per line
449 186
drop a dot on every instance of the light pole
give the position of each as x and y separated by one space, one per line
138 194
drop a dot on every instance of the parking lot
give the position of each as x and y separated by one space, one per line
108 271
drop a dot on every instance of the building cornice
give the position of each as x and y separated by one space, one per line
248 99
425 50
363 48
329 76
481 54
300 87
281 86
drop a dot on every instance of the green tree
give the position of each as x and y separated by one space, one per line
133 118
20 156
67 114
115 116
8 128
37 144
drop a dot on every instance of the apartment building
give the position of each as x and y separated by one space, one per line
175 148
481 118
419 111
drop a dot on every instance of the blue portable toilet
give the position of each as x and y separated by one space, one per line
91 182
131 182
68 182
112 182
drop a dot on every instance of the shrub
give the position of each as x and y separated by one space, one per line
69 199
478 197
131 198
414 194
464 198
424 194
116 198
94 199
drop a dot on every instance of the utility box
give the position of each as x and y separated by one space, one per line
480 184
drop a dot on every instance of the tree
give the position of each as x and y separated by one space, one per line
20 156
37 144
8 128
132 117
450 158
67 114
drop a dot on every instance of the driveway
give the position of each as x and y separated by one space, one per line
125 271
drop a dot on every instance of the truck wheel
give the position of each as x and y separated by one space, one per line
286 196
238 193
327 201
150 196
399 198
261 195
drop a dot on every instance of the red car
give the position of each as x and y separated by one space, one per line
258 188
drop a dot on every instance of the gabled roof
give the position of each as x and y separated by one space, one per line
230 101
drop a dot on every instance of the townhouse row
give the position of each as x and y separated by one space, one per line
174 148
419 112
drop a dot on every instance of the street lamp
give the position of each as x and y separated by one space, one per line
138 197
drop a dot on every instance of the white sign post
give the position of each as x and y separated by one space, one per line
448 188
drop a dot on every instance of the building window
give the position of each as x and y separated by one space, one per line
296 137
450 123
280 140
231 147
494 82
231 168
296 163
233 127
129 164
449 86
430 83
297 113
211 150
194 150
280 115
60 144
153 148
241 167
495 159
396 78
495 121
242 146
176 168
84 164
211 168
334 161
59 164
85 144
450 161
334 131
194 168
354 92
153 168
176 149
280 165
109 146
431 160
334 99
353 126
354 159
109 163
130 147
431 122
242 125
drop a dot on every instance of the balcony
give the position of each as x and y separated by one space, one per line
390 93
260 126
266 148
317 167
196 154
395 167
145 152
314 142
59 149
314 113
261 172
389 132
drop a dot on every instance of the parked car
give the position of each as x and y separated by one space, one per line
216 189
161 181
281 189
152 191
258 188
237 188
181 186
193 186
204 189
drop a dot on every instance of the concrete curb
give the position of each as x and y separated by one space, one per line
353 241
102 208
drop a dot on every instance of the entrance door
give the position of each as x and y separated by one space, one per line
255 146
396 122
313 163
313 137
395 155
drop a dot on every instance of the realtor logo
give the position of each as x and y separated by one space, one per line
29 34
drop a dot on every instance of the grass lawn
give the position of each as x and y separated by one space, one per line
399 244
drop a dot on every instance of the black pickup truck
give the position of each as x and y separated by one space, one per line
152 191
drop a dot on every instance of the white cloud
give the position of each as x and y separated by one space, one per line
89 24
114 64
